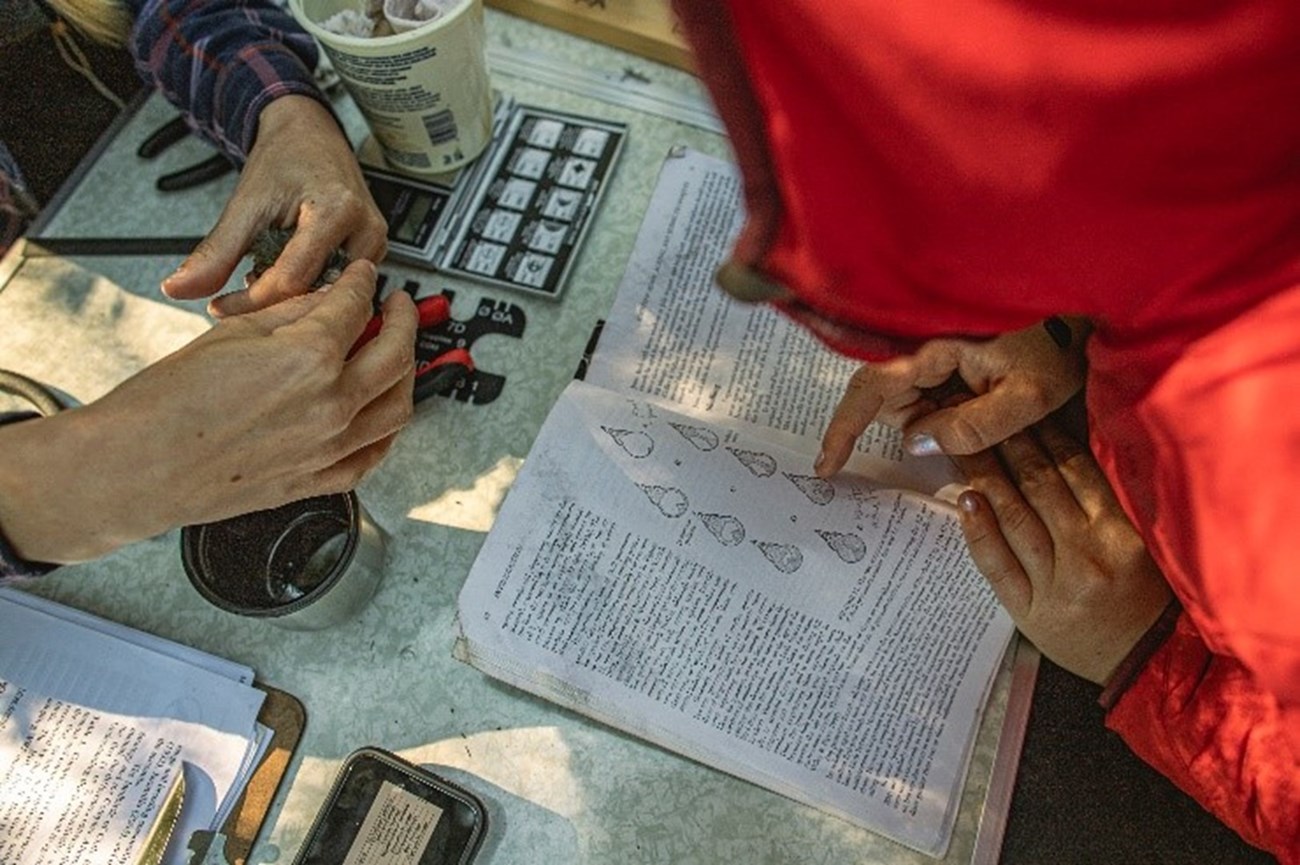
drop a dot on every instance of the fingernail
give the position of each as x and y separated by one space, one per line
175 274
821 458
922 445
368 266
968 502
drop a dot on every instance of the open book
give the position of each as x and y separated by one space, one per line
667 563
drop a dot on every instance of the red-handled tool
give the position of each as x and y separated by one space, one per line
431 311
442 373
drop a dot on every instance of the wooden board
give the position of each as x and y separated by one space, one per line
644 27
284 714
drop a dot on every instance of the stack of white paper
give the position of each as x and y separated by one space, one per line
195 707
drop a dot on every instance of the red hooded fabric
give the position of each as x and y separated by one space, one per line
969 167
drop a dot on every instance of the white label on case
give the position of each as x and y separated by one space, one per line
396 830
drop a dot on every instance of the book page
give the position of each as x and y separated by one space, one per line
79 785
216 716
673 335
830 640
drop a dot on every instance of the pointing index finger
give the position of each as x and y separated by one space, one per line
857 408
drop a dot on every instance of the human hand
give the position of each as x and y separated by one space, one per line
1045 529
300 173
1017 378
263 409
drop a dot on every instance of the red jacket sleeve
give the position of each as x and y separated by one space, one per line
1201 439
1201 721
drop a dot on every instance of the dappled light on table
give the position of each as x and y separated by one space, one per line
472 509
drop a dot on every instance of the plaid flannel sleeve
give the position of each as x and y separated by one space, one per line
222 61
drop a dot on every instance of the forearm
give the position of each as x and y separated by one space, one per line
223 62
296 118
56 504
1201 721
262 409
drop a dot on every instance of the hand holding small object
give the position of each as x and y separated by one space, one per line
270 243
263 409
301 172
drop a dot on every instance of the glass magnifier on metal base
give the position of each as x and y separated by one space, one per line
306 565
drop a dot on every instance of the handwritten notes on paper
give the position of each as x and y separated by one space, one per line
396 830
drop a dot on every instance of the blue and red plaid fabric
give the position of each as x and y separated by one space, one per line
222 61
219 61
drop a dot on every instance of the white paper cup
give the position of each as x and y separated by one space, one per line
425 92
401 15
